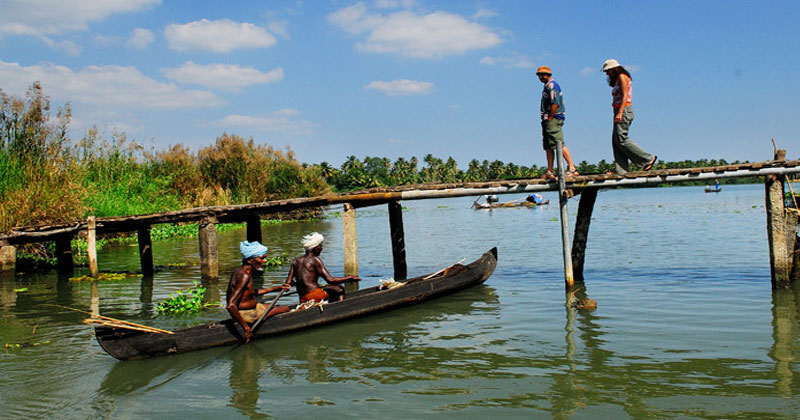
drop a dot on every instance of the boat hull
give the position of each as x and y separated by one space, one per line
127 344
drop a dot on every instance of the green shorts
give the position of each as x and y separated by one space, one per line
551 133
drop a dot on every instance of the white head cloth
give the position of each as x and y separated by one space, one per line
311 240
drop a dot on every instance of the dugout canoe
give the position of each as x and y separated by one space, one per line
127 344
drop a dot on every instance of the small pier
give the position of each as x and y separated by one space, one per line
781 222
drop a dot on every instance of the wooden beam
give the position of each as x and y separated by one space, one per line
349 240
581 234
91 245
398 240
254 228
209 255
64 254
145 252
779 255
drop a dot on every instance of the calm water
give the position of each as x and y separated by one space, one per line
687 325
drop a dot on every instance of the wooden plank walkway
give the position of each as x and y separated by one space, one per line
383 195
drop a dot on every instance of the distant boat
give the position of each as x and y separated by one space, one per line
710 189
532 200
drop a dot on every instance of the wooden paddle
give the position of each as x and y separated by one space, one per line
264 315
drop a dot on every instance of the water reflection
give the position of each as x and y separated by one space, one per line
785 333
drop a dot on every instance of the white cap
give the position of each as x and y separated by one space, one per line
610 64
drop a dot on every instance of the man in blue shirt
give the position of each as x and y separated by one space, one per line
552 111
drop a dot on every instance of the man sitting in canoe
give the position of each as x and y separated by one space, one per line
306 269
241 294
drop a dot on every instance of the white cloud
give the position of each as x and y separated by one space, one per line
278 121
408 34
401 87
53 17
219 36
512 60
140 39
393 4
67 47
221 76
280 28
586 71
484 13
107 86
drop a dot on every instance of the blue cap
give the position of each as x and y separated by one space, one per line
252 249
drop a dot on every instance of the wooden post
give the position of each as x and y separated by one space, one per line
780 257
209 256
562 202
584 218
91 245
254 228
398 240
64 254
145 251
349 240
8 257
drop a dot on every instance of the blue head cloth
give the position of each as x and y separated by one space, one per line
252 249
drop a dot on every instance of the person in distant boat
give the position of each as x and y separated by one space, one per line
624 148
552 113
308 268
716 184
534 198
241 294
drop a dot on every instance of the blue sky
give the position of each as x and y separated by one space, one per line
395 78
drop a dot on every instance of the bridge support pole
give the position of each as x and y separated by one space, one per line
780 232
349 240
64 254
569 280
8 257
209 256
91 245
145 251
254 228
581 235
398 241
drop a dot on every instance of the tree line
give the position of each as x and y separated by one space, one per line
370 172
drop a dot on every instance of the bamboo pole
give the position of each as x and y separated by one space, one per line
569 279
779 256
91 245
108 318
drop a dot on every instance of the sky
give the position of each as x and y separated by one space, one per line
403 78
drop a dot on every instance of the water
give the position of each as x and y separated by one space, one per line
686 326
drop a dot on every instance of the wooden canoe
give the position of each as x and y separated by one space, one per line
126 344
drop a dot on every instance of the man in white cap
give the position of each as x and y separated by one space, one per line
241 294
306 270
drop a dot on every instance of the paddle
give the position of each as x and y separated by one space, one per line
264 315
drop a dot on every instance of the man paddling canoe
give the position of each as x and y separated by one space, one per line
306 270
241 294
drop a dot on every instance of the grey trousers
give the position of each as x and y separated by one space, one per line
624 148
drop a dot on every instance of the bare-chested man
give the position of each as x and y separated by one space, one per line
306 270
241 294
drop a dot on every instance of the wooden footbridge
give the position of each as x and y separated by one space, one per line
781 222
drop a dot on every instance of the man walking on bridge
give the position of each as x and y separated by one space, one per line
552 112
